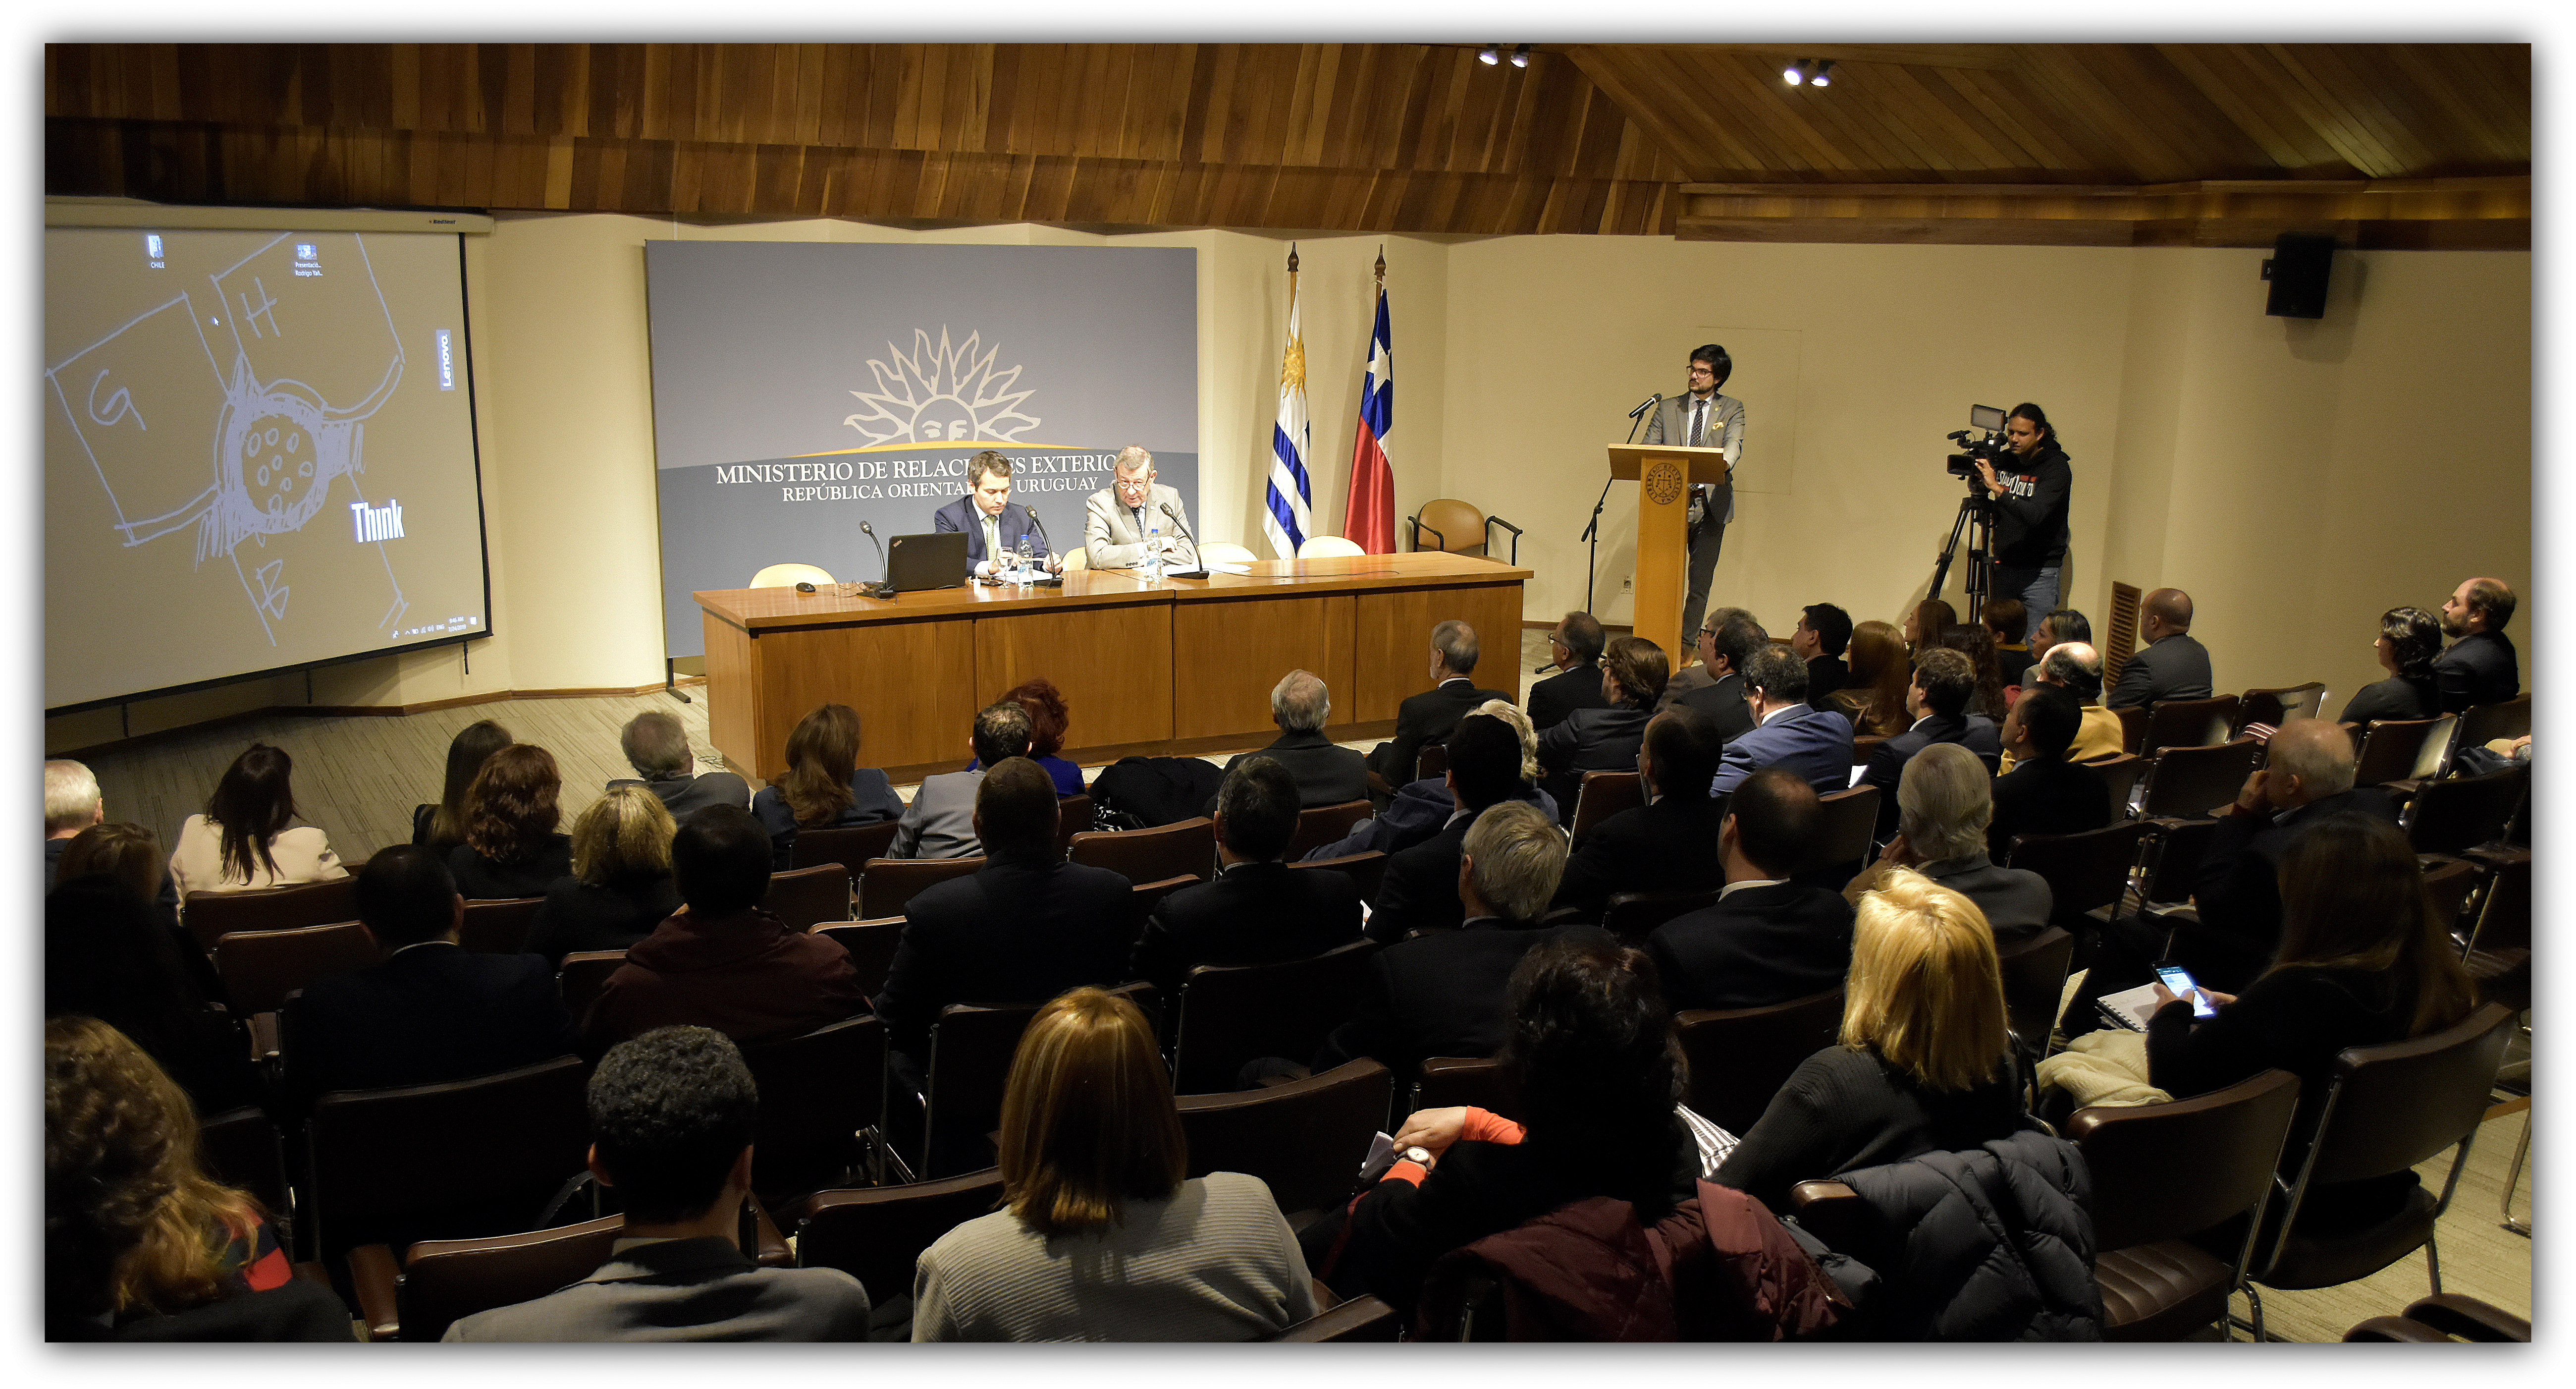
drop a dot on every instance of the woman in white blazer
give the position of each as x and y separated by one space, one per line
247 836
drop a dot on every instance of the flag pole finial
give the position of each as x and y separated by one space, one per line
1381 267
1292 257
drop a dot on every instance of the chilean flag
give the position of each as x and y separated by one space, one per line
1369 520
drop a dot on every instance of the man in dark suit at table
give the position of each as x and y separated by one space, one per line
1258 911
1575 646
986 514
1944 682
1814 743
2480 667
1420 888
1669 844
1024 928
1429 716
1767 940
1325 774
2174 665
432 1011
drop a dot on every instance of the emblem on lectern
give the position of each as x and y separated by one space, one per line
1663 482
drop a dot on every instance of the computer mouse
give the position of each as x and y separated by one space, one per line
803 587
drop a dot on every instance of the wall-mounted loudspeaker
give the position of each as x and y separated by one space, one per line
2298 270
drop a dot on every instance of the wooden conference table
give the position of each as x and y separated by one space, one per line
1180 666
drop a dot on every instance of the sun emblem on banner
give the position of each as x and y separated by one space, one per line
941 392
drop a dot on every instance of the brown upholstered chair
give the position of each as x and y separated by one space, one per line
804 898
871 945
877 1235
1145 856
212 915
2121 773
499 926
2460 813
2181 723
1306 1139
2278 706
1231 1014
581 976
1367 871
850 846
2133 728
444 1281
1073 815
1740 1057
1361 1319
2193 781
1603 795
971 1048
1319 825
1442 1082
2084 871
818 1093
1844 828
1446 523
2034 980
1863 745
1632 916
2389 749
2484 723
260 968
1432 761
1150 895
888 885
2164 1171
2441 1317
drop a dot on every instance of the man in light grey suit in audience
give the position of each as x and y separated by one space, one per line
1116 517
671 1116
940 822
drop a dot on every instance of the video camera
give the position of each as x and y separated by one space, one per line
1982 439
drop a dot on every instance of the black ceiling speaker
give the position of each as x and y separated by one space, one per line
2298 270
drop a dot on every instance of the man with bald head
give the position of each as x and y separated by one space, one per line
2173 665
2076 667
1325 773
2480 667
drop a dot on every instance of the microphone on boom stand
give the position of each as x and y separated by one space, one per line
1183 527
881 589
1591 536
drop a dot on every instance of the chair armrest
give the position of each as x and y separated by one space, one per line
1419 528
1806 1194
1325 1298
374 1277
2469 1318
2394 1329
773 1251
1360 1319
264 1045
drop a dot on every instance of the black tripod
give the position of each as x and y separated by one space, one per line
1976 521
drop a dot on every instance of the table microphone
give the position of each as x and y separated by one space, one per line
1183 527
876 590
1056 580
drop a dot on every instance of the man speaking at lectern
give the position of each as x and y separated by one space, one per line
1702 418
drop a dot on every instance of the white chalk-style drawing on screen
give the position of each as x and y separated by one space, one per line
249 454
942 393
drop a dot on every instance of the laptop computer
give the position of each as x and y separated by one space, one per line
935 560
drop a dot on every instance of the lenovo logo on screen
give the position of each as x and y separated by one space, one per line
377 522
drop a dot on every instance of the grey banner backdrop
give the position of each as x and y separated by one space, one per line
800 388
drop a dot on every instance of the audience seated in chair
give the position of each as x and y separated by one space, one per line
1944 681
1815 744
433 1011
1575 644
1430 717
511 847
1633 671
1325 774
2365 959
1103 1238
1442 994
2008 621
1257 911
671 1117
140 1245
1048 721
1924 1064
1420 809
442 825
1589 1042
2045 792
247 836
72 804
1419 891
2410 640
1667 844
1873 697
620 887
1943 807
1975 642
2480 667
1025 927
940 822
2173 664
657 747
1727 640
2076 668
2058 625
824 786
110 953
1925 623
1766 940
1823 634
721 961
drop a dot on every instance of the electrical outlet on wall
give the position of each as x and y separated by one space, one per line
1628 585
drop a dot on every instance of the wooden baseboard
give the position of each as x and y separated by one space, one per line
363 711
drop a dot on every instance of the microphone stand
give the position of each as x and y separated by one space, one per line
1183 527
1592 533
880 589
1055 580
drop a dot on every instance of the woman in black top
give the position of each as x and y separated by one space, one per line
1924 1064
511 848
1633 673
2364 959
111 954
443 823
620 887
823 786
2409 641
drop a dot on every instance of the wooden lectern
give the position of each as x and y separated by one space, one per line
1664 474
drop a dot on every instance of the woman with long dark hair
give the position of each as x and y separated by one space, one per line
247 837
511 848
111 953
824 786
443 823
2409 641
1972 640
1925 623
1880 672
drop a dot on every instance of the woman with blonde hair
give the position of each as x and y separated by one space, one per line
620 887
511 846
1880 671
1102 1238
136 1234
1924 1064
824 786
247 836
1633 674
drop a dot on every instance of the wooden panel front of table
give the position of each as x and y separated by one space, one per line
1179 665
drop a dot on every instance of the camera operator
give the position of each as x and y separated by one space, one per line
2030 509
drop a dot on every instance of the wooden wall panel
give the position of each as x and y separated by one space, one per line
1233 651
1112 664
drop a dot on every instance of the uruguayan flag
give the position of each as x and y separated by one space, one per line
1290 497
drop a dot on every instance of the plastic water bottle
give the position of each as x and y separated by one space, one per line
1028 556
1153 552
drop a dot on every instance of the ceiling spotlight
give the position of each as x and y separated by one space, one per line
1520 56
1793 74
1488 56
1824 74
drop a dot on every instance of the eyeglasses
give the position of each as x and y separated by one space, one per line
1703 371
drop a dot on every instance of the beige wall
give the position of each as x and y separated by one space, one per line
2285 472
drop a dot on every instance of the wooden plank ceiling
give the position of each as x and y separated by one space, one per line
2227 144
